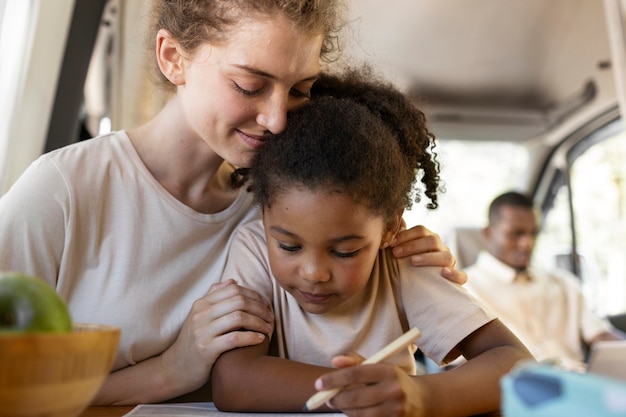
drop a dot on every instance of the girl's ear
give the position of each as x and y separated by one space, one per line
393 227
170 57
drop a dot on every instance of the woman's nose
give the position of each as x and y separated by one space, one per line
273 113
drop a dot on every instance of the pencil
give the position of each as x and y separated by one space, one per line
320 398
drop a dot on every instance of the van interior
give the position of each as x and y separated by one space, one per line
522 95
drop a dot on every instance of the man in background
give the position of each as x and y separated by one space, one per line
546 310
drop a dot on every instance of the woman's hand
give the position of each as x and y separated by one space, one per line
228 317
426 249
373 390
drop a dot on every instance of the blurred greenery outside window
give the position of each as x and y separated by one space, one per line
599 195
472 174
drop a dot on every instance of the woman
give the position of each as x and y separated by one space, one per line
133 228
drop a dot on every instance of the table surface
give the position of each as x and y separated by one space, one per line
107 411
119 411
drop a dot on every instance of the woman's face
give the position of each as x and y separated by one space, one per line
322 246
238 91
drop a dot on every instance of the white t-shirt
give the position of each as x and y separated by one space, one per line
441 310
92 221
548 313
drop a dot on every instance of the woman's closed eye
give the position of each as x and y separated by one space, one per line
245 92
294 92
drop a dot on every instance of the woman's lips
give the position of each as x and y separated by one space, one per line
254 141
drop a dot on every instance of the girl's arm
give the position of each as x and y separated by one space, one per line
470 389
247 379
474 387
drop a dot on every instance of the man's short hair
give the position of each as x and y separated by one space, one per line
509 199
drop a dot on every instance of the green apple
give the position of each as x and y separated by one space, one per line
29 305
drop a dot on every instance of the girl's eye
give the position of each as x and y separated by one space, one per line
346 254
288 248
245 92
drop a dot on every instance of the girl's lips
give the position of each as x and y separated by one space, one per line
254 141
315 298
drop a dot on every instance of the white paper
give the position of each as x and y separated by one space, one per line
207 410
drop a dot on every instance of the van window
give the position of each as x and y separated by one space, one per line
472 173
598 185
16 26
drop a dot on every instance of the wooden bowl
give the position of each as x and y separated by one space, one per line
54 374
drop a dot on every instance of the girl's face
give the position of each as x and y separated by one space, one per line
238 91
322 246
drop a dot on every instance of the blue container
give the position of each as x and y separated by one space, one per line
538 390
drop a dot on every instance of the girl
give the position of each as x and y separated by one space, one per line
332 188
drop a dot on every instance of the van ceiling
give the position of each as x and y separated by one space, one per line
488 69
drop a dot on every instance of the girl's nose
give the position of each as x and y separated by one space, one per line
313 270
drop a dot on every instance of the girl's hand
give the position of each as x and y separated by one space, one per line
228 317
379 390
426 249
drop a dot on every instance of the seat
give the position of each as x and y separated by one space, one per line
465 243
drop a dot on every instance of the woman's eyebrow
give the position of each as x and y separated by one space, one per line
261 73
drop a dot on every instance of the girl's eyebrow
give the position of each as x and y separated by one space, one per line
282 231
258 72
339 239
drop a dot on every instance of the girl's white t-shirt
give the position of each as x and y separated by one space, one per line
443 311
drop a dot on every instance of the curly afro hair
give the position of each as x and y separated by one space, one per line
361 138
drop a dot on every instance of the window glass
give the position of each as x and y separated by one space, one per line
473 173
598 182
15 28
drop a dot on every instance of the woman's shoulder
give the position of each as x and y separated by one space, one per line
92 150
105 158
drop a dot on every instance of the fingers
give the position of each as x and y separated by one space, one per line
454 275
230 307
344 361
365 388
227 317
229 288
415 232
425 248
355 375
419 240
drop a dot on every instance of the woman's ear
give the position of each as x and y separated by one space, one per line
393 227
169 56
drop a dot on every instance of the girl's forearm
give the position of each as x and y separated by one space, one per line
472 388
262 384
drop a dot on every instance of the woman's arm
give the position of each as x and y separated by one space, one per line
211 328
427 249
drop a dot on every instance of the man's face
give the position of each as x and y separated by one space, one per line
511 238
